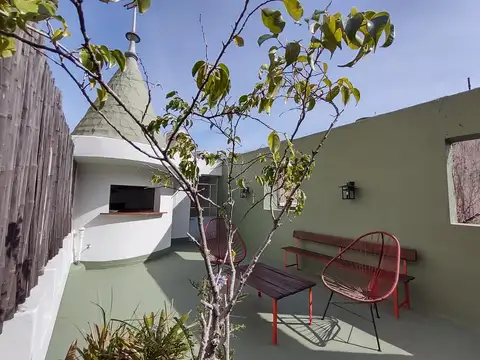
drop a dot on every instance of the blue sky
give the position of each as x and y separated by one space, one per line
435 50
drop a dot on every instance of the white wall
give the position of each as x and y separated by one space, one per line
181 215
27 335
117 237
97 147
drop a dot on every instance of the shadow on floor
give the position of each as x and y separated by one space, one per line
341 335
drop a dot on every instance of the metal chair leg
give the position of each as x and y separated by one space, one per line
376 310
328 304
375 326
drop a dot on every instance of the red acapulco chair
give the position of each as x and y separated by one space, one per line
366 271
217 241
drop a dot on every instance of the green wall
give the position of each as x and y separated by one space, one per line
399 162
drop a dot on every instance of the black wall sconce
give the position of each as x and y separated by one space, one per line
244 193
348 190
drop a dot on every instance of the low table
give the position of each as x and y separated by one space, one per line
277 284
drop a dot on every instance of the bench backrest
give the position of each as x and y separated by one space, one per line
407 254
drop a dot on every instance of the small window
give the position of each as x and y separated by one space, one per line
282 199
207 187
464 170
279 199
132 199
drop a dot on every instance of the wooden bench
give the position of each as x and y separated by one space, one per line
277 284
407 255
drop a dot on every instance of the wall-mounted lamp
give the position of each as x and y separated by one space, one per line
348 190
244 193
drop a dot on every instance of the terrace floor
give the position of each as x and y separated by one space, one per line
341 336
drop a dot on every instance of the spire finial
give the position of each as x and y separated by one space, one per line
132 36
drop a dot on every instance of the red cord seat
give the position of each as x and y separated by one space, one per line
217 241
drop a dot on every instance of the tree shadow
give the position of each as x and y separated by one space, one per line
255 340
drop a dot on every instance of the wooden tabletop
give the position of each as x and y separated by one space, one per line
274 282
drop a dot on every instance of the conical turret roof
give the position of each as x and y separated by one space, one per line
131 88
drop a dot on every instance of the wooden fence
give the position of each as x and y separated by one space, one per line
36 161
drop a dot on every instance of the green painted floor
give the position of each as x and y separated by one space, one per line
145 287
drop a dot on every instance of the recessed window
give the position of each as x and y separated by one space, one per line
278 200
132 198
207 187
465 181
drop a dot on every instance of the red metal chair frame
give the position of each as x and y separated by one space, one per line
366 282
216 235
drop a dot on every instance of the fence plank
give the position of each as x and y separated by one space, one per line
36 170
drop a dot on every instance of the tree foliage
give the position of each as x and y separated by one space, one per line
296 73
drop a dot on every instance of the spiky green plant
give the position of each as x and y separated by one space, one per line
155 336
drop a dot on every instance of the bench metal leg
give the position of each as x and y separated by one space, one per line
395 303
375 325
310 305
259 294
274 323
328 304
407 295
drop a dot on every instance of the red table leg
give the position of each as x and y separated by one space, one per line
275 309
407 295
395 303
310 296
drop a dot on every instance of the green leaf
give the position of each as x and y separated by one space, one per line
325 67
315 43
84 58
239 41
345 95
120 58
274 142
356 94
327 82
353 25
379 21
57 35
242 99
314 26
7 47
273 20
311 104
224 68
389 35
102 96
170 94
264 38
316 15
292 51
107 55
294 9
259 179
47 8
302 58
332 94
26 6
197 66
241 183
143 5
311 61
361 53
